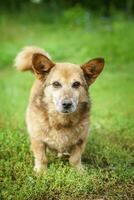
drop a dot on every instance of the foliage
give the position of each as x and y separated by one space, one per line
104 7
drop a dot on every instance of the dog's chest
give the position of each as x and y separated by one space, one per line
63 139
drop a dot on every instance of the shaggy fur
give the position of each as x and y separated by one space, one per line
52 123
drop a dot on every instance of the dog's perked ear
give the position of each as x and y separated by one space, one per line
41 65
92 69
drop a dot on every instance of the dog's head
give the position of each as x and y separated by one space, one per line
66 84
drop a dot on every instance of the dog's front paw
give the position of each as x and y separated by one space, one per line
80 167
39 167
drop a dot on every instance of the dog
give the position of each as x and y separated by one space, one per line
58 112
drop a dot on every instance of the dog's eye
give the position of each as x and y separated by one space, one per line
76 84
56 84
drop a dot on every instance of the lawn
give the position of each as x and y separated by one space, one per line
109 154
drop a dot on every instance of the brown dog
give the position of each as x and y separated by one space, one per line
58 112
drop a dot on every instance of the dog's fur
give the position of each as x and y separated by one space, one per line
57 116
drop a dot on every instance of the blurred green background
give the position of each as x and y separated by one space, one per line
74 30
71 31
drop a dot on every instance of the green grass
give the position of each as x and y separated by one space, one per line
109 155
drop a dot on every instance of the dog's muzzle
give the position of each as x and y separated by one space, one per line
67 106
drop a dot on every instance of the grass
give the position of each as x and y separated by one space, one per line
109 154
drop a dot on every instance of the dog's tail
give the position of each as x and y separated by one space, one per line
23 61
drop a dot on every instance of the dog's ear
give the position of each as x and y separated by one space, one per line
41 65
92 69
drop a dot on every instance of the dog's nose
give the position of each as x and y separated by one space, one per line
67 104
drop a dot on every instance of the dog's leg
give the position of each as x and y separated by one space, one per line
39 148
75 156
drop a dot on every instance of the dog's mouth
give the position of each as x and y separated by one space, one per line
67 111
